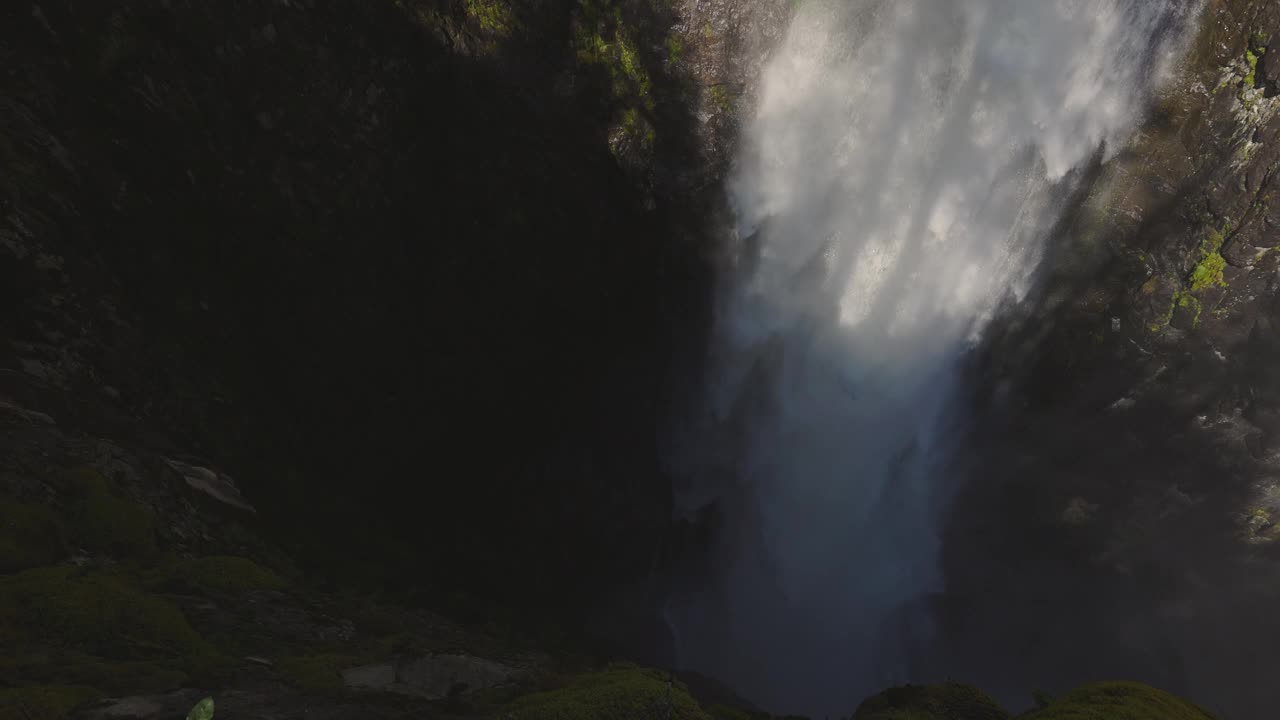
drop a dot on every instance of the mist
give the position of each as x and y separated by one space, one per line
895 186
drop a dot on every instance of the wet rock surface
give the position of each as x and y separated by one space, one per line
1124 463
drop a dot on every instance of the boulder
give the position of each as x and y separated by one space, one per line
437 676
143 707
373 677
212 483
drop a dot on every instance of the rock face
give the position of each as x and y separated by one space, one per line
1126 450
212 483
391 260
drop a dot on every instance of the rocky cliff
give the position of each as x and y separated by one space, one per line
1118 516
393 260
424 276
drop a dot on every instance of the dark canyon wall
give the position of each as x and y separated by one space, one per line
416 274
1117 517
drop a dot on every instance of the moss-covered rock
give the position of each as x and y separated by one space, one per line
316 673
95 612
622 693
101 519
81 670
949 701
43 702
1118 701
29 536
67 626
218 574
1208 272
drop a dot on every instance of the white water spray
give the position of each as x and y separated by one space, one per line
898 180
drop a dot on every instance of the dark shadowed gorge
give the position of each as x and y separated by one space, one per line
554 360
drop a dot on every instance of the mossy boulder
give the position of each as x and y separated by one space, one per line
43 702
1118 701
949 701
29 536
73 668
102 519
620 693
316 673
66 610
224 574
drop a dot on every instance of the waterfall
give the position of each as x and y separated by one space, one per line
895 185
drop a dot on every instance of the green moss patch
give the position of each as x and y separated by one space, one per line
950 701
66 626
603 39
1208 272
218 574
43 702
96 613
604 42
1118 701
493 16
720 96
1191 303
316 673
675 49
29 536
624 693
79 669
101 519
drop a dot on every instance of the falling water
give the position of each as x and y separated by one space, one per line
896 184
